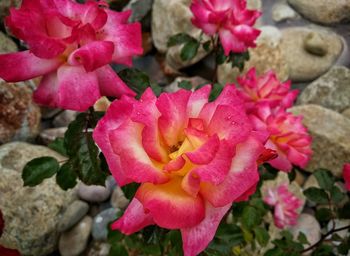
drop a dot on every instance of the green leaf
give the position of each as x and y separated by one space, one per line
238 59
344 248
220 56
262 236
38 169
250 217
344 212
83 152
317 195
189 50
325 179
180 38
58 146
66 177
206 46
323 214
302 238
185 84
130 190
337 195
137 80
274 252
118 249
323 250
215 91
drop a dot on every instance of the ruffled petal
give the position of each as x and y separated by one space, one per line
117 113
170 206
21 66
134 219
206 153
78 90
47 92
111 84
93 55
197 238
197 100
173 117
126 142
241 177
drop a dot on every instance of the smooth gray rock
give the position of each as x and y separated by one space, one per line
74 213
330 137
118 199
74 241
304 65
323 11
309 226
31 214
65 118
100 223
49 135
94 193
332 90
282 12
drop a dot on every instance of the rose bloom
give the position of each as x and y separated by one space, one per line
71 45
287 205
192 159
288 136
265 89
346 175
228 18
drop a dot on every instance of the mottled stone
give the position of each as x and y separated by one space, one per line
309 226
332 90
315 44
49 135
6 44
330 137
305 65
19 115
65 118
266 56
282 12
346 113
99 249
74 213
100 223
31 214
323 11
74 241
94 193
118 199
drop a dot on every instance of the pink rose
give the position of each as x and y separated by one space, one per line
265 89
288 136
71 45
287 205
230 19
192 158
346 175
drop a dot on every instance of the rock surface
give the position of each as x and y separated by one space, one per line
118 199
74 241
306 65
100 223
74 213
19 115
282 11
6 44
332 90
195 81
309 226
323 11
266 56
31 214
94 193
330 137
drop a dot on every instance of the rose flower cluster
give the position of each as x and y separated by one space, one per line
192 158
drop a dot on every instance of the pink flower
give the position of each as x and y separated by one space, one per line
288 136
230 19
192 158
286 204
267 89
71 45
346 175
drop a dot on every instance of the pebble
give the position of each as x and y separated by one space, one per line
94 193
118 199
309 226
282 12
74 213
101 222
74 241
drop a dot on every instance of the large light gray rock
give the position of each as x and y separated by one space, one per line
308 225
299 49
332 90
31 214
330 137
323 11
266 56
